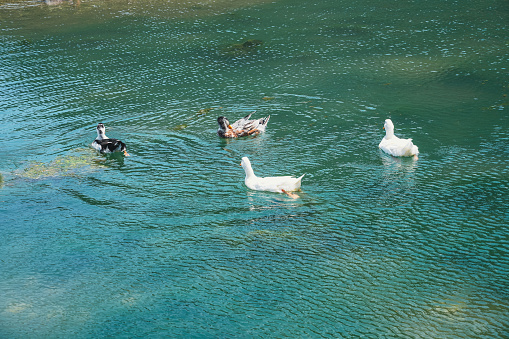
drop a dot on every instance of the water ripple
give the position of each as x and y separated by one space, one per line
374 244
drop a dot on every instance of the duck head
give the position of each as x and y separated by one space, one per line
101 130
389 127
224 124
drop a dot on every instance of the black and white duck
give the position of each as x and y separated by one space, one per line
241 127
104 144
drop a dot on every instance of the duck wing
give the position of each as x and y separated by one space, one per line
110 145
276 184
398 147
248 127
239 124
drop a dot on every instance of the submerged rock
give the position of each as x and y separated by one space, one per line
239 50
252 43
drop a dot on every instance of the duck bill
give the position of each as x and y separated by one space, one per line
126 154
230 127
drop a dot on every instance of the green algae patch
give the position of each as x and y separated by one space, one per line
204 111
180 127
62 166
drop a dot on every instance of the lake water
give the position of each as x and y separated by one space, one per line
170 243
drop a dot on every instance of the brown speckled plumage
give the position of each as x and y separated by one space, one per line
242 127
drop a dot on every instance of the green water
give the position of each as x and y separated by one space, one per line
170 243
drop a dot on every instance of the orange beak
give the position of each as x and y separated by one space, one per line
126 154
230 127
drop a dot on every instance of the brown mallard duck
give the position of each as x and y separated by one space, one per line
241 127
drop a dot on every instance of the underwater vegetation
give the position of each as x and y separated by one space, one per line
179 127
204 111
63 166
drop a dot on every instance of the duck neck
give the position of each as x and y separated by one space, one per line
249 172
101 136
389 133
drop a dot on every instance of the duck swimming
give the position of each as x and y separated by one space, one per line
104 144
284 184
395 146
241 127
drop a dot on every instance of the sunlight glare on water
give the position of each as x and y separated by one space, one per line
170 242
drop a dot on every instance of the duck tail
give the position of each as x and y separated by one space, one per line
410 148
249 115
415 150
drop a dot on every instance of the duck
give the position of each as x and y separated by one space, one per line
282 184
104 144
395 146
241 127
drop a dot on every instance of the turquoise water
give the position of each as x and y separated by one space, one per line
170 243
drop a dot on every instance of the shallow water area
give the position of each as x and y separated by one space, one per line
170 242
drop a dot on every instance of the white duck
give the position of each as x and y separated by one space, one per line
395 146
285 184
